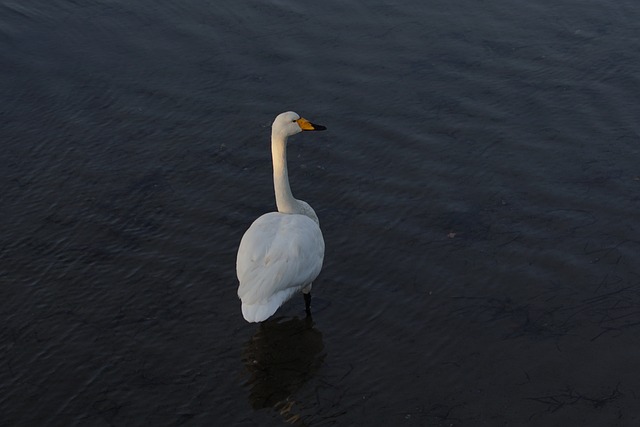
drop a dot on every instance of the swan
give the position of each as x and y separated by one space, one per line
282 252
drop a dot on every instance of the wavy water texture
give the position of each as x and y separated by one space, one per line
477 190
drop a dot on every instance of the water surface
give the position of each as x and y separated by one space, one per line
478 191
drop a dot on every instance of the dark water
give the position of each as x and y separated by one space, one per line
478 190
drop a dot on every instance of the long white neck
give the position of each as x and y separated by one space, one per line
284 199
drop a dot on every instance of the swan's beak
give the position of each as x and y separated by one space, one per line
307 125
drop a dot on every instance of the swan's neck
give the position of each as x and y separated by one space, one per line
284 199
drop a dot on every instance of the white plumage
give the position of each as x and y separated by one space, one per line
282 252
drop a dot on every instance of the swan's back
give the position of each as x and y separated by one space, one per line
279 255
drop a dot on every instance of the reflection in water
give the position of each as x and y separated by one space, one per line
281 357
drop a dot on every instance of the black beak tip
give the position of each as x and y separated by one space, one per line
319 127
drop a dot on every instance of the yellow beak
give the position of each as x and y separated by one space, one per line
307 125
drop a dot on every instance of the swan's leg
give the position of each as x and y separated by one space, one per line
307 303
306 292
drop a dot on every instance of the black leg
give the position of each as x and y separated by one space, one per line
307 303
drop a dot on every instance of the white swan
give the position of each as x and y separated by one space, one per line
282 252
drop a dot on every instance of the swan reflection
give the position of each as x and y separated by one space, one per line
281 357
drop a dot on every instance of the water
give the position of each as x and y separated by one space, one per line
477 190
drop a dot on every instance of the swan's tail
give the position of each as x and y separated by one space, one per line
263 309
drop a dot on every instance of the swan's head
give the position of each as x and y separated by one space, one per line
290 123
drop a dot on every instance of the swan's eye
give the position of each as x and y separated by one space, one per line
293 121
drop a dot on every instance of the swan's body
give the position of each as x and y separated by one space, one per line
282 252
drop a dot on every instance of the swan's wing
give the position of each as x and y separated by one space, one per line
278 255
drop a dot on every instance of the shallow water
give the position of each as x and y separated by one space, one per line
478 189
